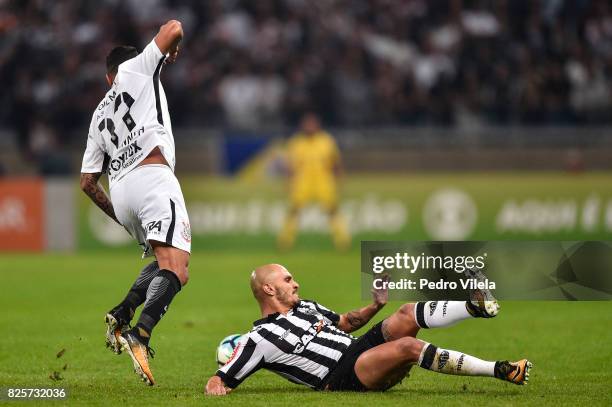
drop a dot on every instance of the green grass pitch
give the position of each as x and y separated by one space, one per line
54 302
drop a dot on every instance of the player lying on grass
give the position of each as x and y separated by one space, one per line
311 345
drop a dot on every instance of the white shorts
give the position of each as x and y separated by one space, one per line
149 203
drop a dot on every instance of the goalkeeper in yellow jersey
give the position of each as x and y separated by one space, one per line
314 165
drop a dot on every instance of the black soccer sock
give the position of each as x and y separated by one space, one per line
137 294
160 293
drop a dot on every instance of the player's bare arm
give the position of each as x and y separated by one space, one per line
216 387
353 320
91 186
168 39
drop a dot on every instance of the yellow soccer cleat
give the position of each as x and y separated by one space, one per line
515 372
139 353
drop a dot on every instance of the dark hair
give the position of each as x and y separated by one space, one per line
117 56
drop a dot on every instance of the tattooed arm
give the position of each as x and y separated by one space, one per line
95 191
353 320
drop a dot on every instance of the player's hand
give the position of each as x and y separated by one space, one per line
173 54
381 295
216 387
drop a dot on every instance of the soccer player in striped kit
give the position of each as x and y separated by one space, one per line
309 344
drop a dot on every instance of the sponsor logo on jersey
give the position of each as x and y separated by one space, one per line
126 158
304 341
306 338
285 334
132 136
107 100
154 225
319 325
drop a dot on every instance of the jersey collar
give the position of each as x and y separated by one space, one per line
272 317
269 318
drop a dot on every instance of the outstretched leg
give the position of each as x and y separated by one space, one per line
409 318
385 365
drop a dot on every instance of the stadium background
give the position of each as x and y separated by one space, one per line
457 120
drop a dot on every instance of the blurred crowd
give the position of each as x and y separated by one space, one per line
260 64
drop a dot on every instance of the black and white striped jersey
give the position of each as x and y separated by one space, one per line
303 346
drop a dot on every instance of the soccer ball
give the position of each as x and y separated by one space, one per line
226 348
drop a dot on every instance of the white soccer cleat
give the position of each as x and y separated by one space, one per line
113 332
482 303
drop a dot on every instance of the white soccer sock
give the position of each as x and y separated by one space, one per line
453 362
438 314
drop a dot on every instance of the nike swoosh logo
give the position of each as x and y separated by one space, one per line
518 372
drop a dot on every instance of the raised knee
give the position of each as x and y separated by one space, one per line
406 311
409 348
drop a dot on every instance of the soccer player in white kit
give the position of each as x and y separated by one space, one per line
130 139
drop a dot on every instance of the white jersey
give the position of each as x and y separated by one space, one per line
131 120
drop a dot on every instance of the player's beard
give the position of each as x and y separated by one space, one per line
288 298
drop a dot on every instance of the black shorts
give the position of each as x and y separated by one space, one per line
343 377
